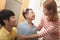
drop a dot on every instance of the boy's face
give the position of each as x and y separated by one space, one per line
12 21
30 15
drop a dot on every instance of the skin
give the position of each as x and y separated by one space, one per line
10 23
47 13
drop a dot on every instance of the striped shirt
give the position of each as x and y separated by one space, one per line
50 31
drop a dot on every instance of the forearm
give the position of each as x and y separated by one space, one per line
47 31
23 37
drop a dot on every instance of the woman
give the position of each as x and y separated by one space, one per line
50 22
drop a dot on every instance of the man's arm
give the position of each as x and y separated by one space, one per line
23 37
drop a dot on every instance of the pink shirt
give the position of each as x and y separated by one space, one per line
51 29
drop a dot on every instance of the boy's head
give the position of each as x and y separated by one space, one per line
7 17
29 14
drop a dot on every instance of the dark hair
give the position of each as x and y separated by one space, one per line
5 14
25 12
51 5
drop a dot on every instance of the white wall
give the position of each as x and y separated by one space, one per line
35 5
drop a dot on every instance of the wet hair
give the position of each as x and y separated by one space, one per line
5 14
26 12
51 5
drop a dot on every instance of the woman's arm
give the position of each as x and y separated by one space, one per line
40 25
48 30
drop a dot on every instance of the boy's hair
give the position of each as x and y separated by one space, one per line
5 14
26 12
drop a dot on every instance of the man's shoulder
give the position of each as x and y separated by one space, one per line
2 29
2 35
2 32
14 29
22 24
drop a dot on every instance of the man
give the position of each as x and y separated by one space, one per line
8 22
27 30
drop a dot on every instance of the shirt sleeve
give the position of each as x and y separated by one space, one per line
15 31
20 30
47 30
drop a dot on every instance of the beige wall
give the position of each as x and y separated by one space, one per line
2 4
25 4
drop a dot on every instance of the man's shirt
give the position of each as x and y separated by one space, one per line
24 29
5 35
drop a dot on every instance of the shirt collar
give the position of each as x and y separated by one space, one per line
27 23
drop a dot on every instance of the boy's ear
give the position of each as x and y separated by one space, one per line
26 15
5 21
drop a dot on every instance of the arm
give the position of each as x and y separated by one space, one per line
23 37
48 30
40 25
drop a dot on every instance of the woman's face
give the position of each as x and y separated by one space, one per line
46 12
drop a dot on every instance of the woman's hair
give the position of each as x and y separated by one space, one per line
51 5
